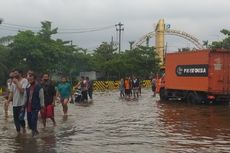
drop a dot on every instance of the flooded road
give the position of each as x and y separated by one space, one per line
114 125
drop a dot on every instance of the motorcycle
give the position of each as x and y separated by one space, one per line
78 96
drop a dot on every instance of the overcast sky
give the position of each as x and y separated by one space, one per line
202 18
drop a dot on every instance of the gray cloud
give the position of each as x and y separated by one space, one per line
204 19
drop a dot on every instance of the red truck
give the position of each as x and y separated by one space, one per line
196 76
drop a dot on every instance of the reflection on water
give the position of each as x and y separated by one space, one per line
114 125
196 128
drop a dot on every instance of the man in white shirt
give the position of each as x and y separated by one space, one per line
18 94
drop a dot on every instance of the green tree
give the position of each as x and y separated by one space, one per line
40 52
37 51
102 58
225 43
141 61
46 32
4 51
6 40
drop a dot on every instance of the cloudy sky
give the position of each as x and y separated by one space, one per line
77 19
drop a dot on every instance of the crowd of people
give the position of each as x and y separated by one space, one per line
31 95
130 87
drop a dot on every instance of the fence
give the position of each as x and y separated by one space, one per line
111 85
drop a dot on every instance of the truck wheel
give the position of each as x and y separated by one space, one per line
163 95
193 98
189 98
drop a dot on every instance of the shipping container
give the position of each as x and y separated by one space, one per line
197 76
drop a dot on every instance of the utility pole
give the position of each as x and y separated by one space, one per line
71 43
131 44
147 41
112 43
119 29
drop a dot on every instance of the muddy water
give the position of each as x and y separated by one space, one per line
113 125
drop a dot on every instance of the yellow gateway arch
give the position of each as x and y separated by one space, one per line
159 34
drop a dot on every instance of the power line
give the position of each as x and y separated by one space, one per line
83 28
86 31
16 27
9 29
63 29
20 26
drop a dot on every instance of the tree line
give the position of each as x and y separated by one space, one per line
41 53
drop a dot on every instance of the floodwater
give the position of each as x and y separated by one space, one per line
114 125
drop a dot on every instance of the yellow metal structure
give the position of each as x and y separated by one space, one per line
159 34
159 40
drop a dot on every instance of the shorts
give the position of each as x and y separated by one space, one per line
63 99
48 112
